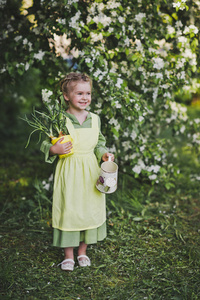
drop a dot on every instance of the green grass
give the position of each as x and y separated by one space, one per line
151 251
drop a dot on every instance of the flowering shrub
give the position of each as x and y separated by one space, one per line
139 53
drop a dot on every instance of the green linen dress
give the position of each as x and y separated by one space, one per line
79 210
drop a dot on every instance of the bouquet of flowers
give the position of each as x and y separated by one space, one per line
50 121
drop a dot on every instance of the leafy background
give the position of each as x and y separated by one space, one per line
143 57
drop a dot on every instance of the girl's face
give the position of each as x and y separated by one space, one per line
79 96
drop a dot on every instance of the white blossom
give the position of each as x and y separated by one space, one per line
180 63
97 73
188 53
119 82
3 70
114 13
176 4
196 138
26 67
70 2
114 122
197 121
153 168
166 95
96 37
17 38
190 28
51 177
179 24
110 29
103 19
117 104
61 21
30 46
25 41
141 118
153 177
36 30
182 129
111 4
74 21
121 19
142 148
126 145
158 63
155 94
139 46
131 28
159 75
39 55
46 95
133 135
137 169
137 82
127 42
182 39
3 3
139 17
46 185
170 29
88 60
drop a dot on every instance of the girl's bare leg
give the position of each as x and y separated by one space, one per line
69 252
82 248
83 261
68 263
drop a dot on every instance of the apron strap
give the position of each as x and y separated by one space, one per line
95 121
70 127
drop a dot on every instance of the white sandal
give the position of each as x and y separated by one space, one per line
67 264
84 262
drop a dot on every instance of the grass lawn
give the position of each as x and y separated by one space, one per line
152 250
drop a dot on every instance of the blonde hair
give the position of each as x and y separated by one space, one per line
73 77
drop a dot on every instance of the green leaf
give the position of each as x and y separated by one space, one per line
75 4
116 133
78 34
169 185
20 71
100 26
134 57
174 15
111 55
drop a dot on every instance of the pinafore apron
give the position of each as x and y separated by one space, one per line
77 204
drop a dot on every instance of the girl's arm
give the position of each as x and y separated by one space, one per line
101 150
51 151
60 149
105 156
45 148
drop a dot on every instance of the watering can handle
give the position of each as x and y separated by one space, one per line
109 158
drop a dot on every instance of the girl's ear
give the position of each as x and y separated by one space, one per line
65 96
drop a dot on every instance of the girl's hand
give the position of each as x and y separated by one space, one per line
60 149
105 156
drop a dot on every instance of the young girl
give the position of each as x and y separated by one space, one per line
79 209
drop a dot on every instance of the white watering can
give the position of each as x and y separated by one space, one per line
107 181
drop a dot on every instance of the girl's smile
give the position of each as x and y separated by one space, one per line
80 96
